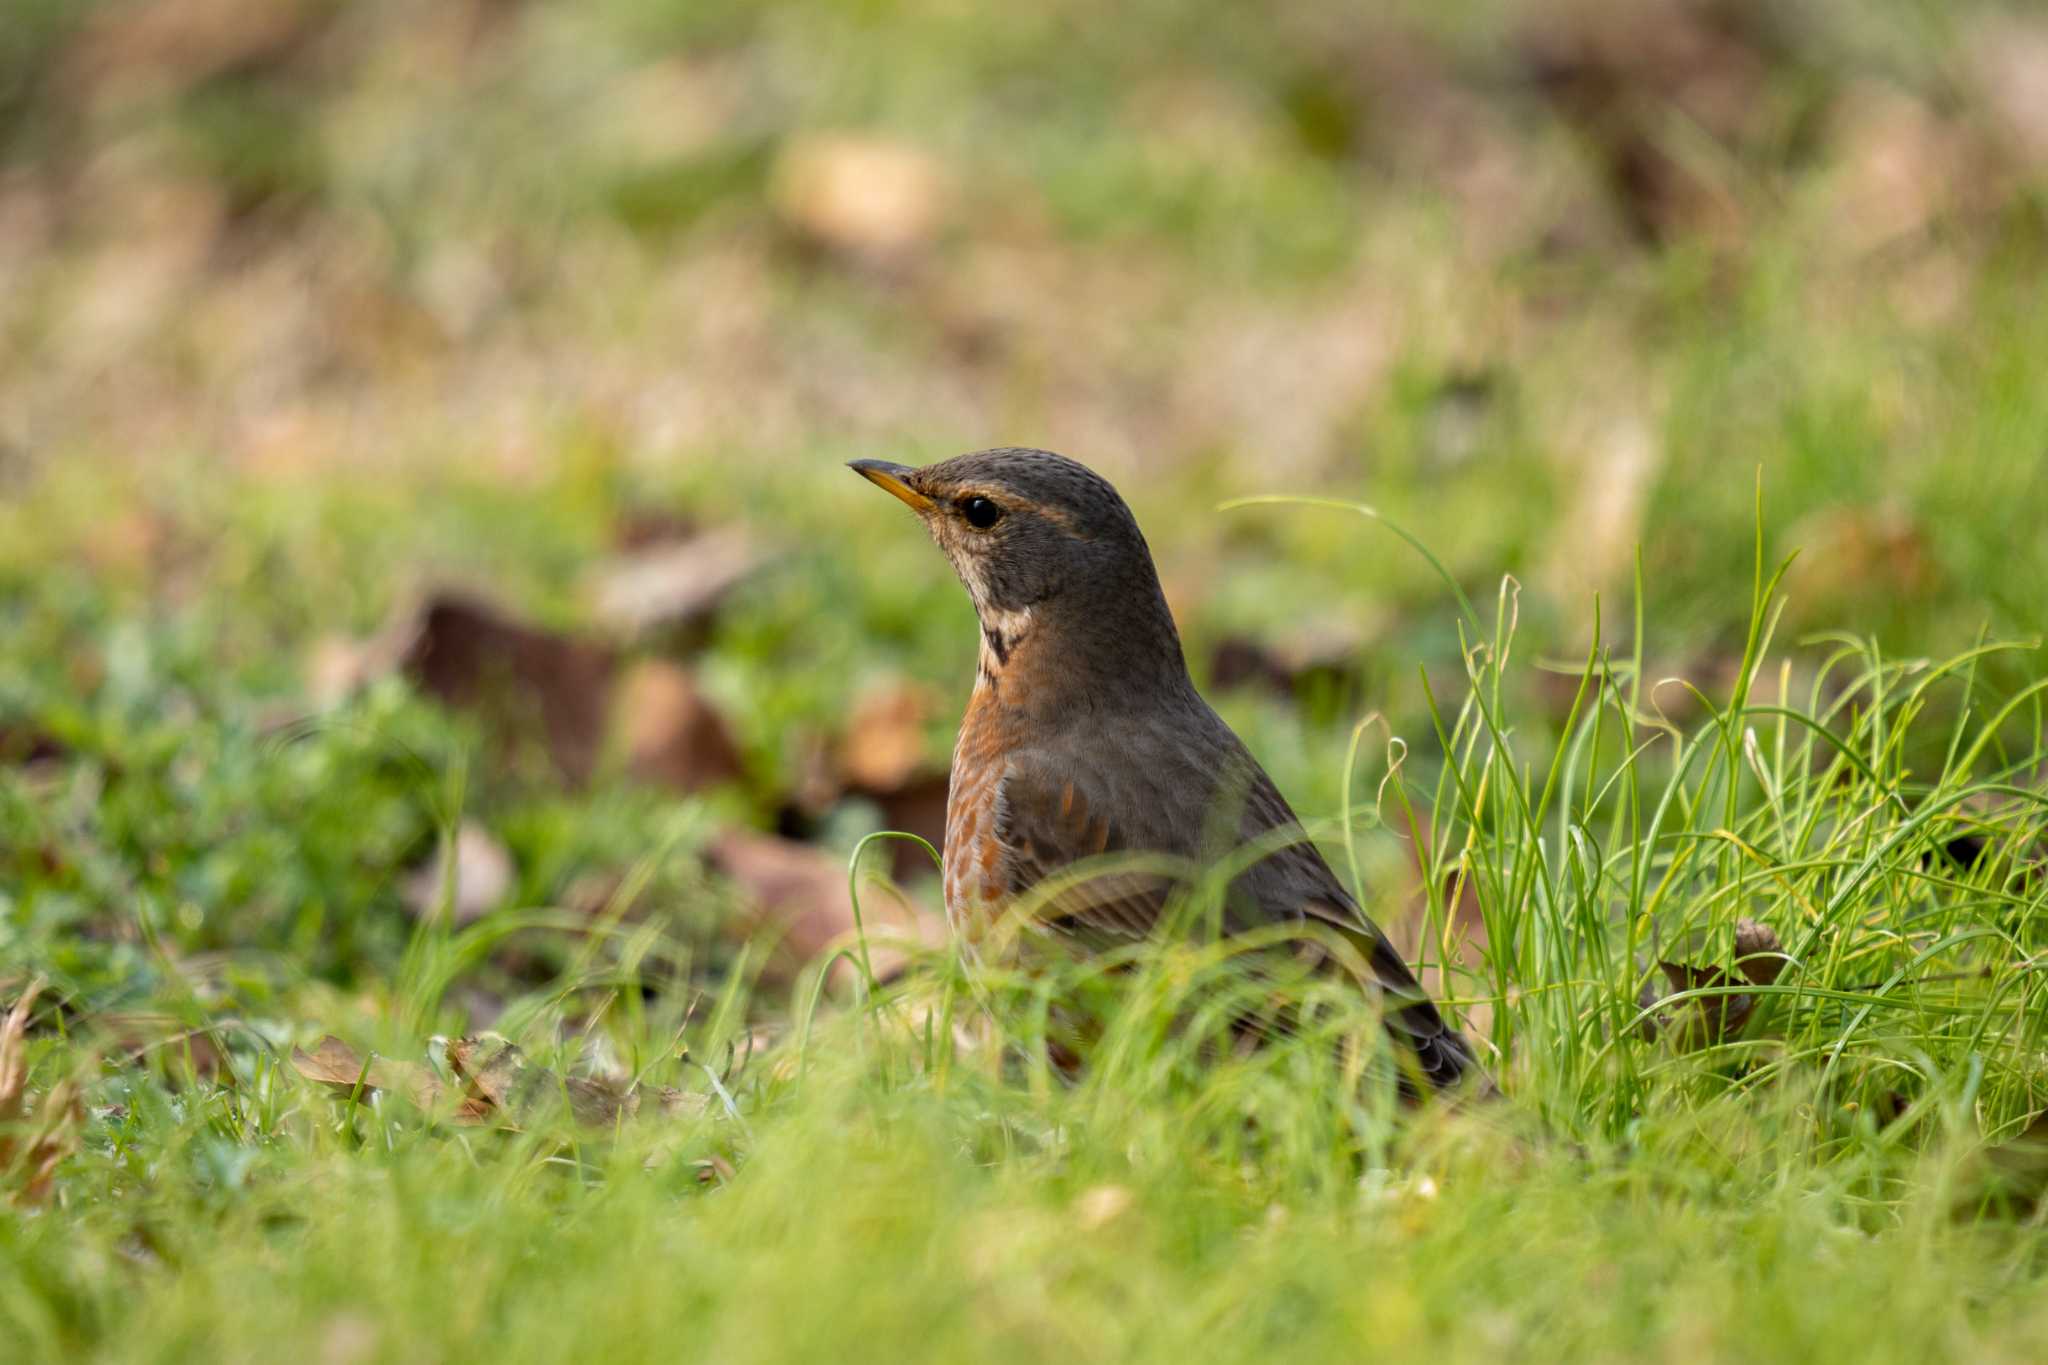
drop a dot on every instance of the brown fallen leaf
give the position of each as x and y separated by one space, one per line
484 877
672 587
1706 1020
1759 956
339 1067
1602 65
883 758
797 896
495 1083
173 44
524 680
1859 550
860 194
884 745
2009 73
715 1170
540 688
917 807
530 686
671 732
32 1144
496 1073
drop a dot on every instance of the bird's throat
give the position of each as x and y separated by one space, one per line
1006 638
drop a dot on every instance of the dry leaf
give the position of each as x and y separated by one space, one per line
497 1085
884 745
147 47
917 807
484 877
32 1146
2010 60
860 194
798 896
336 1065
672 586
528 684
525 680
497 1074
715 1170
1857 550
1707 1020
1759 956
672 734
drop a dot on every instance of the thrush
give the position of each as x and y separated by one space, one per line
1085 735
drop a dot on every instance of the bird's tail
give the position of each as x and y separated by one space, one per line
1441 1055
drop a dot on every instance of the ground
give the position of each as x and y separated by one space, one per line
434 612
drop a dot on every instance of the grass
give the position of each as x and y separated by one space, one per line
904 1168
297 316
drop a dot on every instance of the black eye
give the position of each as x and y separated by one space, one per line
981 513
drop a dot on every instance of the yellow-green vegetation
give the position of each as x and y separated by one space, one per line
1697 347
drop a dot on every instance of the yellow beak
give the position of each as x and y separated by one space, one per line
892 478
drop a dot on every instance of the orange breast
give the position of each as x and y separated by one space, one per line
973 853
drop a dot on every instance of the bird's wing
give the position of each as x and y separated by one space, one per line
1051 816
1296 880
1045 825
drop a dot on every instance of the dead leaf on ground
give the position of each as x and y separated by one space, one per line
484 876
798 896
173 44
883 758
917 807
2009 60
860 194
32 1144
1859 550
339 1067
525 680
1628 75
672 587
139 1034
494 1071
1706 1020
494 1083
535 687
530 685
672 734
884 746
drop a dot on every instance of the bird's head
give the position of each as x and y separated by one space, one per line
1038 539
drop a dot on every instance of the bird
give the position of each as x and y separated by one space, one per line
1084 735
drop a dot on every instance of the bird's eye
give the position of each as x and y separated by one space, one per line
981 513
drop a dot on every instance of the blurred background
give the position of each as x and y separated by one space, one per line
428 415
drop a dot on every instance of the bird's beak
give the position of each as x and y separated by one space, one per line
893 478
